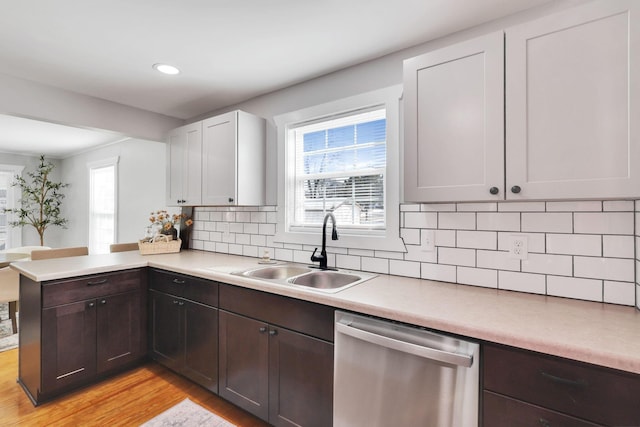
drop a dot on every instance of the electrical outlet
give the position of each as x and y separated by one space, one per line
428 241
518 248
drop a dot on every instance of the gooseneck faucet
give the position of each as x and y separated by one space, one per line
322 258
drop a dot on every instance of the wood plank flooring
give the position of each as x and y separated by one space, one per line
128 399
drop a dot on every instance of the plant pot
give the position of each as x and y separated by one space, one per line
172 232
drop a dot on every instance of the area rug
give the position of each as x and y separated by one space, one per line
8 339
187 413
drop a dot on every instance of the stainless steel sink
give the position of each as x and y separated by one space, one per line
276 272
325 279
306 277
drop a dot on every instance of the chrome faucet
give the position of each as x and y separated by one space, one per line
322 258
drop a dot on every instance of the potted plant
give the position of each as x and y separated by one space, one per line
41 200
166 223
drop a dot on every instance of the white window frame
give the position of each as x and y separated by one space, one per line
113 161
13 194
387 240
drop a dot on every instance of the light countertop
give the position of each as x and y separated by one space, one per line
603 334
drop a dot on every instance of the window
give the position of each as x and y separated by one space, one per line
340 167
10 237
102 204
341 157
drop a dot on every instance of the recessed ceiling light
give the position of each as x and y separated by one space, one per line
166 69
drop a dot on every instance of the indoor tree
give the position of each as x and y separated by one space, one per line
41 200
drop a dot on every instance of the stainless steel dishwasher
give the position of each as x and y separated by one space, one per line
389 374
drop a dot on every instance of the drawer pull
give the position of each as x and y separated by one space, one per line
98 282
564 381
178 282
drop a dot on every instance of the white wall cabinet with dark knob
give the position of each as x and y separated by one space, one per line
547 109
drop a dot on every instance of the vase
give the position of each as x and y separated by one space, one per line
172 232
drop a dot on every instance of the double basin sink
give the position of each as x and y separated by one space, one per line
293 275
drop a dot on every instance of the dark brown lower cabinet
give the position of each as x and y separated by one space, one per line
184 332
279 375
76 331
524 388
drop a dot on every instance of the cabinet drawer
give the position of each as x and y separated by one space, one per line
88 287
301 316
188 287
587 391
502 411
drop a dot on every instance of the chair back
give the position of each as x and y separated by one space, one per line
123 247
59 253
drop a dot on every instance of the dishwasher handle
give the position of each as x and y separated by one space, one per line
464 360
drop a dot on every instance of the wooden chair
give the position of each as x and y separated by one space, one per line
123 247
59 253
9 292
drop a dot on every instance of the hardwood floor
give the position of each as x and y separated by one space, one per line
128 399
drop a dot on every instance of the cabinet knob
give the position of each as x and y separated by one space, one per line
516 189
92 304
262 330
103 301
273 332
230 199
175 301
181 303
494 190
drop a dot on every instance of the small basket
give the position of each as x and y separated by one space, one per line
159 245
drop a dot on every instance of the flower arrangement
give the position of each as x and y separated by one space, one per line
166 221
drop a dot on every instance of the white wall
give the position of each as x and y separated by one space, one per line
141 188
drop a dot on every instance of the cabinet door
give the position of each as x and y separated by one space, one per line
68 345
219 160
244 363
572 106
184 167
120 334
201 344
165 335
300 379
454 122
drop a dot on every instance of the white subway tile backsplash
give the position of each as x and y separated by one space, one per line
522 282
404 268
251 251
269 229
236 227
574 244
243 239
587 289
457 220
251 228
411 236
499 221
222 247
588 206
547 222
477 207
272 217
478 277
235 249
258 240
420 220
418 253
604 268
604 223
258 217
375 265
445 238
439 272
348 261
497 260
389 255
521 207
535 241
618 246
438 207
619 292
477 239
243 216
456 256
548 264
284 254
409 207
361 252
618 205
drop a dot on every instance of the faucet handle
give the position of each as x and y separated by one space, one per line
315 258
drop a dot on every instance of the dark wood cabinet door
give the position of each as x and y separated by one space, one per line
300 379
201 344
244 363
119 335
165 329
68 345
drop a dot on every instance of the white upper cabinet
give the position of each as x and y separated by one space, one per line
184 147
454 126
572 104
233 159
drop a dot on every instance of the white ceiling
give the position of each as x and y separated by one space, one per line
228 50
